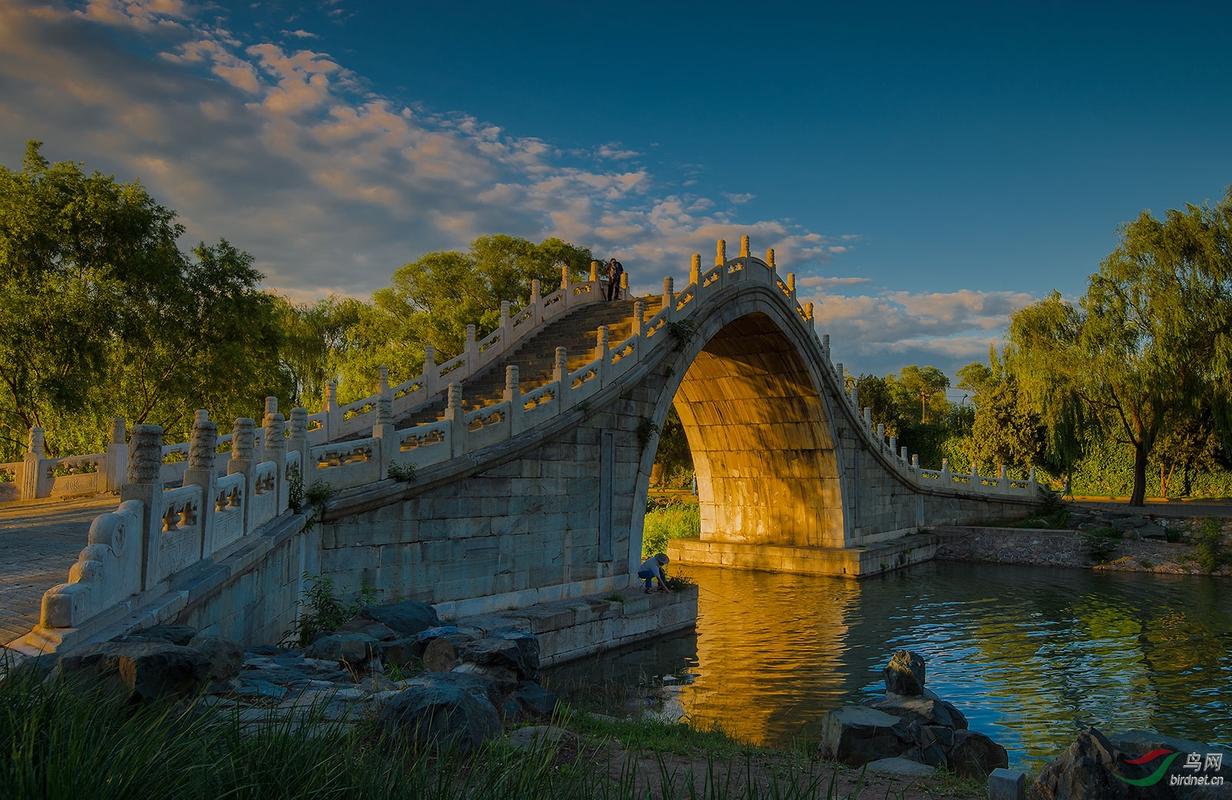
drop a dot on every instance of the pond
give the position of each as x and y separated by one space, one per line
1030 655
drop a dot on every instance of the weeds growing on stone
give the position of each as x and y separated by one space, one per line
322 611
667 522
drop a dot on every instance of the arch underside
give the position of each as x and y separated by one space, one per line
760 439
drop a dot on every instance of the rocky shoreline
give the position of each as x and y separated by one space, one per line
1100 540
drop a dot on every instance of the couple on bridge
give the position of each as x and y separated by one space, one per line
614 270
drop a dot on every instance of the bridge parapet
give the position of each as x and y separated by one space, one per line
135 553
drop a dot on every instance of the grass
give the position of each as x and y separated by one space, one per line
670 521
64 740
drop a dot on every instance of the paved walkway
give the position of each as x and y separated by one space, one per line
1189 508
39 541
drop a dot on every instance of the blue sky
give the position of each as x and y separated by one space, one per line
926 168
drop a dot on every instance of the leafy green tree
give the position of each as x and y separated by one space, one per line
1149 335
101 313
924 383
431 301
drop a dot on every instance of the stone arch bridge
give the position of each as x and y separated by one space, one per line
518 472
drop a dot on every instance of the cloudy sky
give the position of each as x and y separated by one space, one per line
925 171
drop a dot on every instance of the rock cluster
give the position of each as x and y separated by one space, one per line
1132 526
1089 769
908 723
455 686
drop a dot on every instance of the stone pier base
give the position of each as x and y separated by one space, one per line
570 629
850 562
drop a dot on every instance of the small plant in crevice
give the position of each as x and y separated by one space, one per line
682 332
1209 548
1101 543
322 612
645 430
295 488
315 496
402 473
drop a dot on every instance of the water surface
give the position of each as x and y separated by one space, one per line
1031 655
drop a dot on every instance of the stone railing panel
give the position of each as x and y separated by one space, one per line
229 503
107 572
487 426
265 494
179 542
74 475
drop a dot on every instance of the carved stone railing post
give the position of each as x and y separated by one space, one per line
915 462
720 252
387 444
825 348
115 465
894 446
506 328
34 479
623 291
868 418
564 285
333 417
976 484
770 258
808 313
639 322
202 471
744 245
145 460
854 395
560 376
945 473
669 299
602 353
695 273
902 454
471 349
298 443
1003 480
881 440
791 285
536 302
1031 480
457 420
431 375
513 396
244 460
275 448
594 275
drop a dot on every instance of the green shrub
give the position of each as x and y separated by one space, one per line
667 522
1209 548
1101 543
323 612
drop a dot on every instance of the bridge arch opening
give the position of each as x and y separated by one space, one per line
759 434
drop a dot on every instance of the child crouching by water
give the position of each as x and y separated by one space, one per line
652 569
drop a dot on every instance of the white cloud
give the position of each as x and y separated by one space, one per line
329 184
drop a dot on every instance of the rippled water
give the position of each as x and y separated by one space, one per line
1030 655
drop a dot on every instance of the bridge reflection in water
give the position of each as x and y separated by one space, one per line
1030 655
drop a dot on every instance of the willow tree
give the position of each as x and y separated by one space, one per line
1147 342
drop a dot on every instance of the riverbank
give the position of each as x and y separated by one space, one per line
81 741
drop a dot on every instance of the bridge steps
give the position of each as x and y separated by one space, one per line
576 332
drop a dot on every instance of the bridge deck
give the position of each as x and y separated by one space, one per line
38 543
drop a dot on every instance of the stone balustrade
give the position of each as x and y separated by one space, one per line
223 499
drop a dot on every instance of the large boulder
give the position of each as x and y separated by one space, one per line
168 634
405 618
441 713
226 657
517 651
904 675
144 670
529 701
974 755
927 709
355 650
856 735
1088 771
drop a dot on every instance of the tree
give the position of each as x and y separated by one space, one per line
101 313
432 299
1137 350
923 383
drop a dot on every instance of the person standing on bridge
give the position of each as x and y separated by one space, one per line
614 270
652 569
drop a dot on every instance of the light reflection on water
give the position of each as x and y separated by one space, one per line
1030 655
